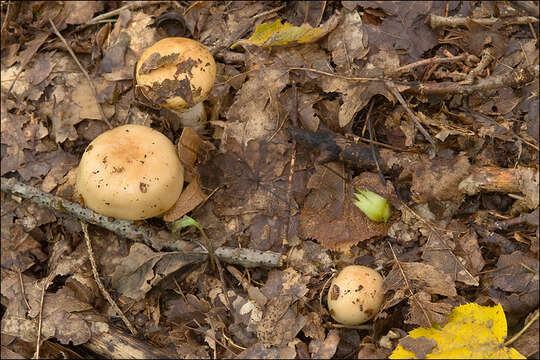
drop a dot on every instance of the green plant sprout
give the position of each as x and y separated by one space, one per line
374 206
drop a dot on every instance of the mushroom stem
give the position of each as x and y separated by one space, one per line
193 117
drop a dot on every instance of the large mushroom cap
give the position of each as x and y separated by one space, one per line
176 73
355 295
131 172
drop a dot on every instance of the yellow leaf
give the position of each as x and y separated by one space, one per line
472 332
276 33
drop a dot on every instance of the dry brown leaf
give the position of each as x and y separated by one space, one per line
439 252
420 277
143 268
424 312
62 318
328 347
528 343
329 215
439 179
189 199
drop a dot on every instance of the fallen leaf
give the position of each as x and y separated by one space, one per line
528 342
80 12
329 215
143 268
472 332
276 34
189 199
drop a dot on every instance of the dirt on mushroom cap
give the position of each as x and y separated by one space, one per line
177 72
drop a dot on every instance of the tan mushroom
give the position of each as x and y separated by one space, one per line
131 172
178 74
355 295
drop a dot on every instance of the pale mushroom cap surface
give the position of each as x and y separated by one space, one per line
176 72
355 295
131 172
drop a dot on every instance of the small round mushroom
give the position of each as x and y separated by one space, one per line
178 74
131 172
355 295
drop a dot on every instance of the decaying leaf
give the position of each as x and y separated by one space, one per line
276 34
329 215
143 269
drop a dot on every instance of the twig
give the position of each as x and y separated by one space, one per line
110 14
104 118
454 21
515 78
487 58
27 59
23 292
128 229
271 11
104 291
392 87
528 325
40 321
371 146
407 284
528 6
433 60
121 227
294 120
531 219
361 79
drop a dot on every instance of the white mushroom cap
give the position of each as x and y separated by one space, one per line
355 295
131 172
176 73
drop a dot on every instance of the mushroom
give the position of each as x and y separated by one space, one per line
355 295
131 172
178 74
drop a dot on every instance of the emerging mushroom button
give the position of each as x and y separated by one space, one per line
176 73
131 172
355 295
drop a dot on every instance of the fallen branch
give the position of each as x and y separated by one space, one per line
515 78
430 61
454 21
145 234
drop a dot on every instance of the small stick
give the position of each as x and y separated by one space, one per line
104 118
515 337
392 87
487 58
361 79
530 219
23 292
407 284
454 21
45 286
128 229
372 147
433 60
294 120
98 280
110 14
271 11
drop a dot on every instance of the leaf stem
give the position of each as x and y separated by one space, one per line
515 337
